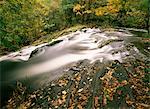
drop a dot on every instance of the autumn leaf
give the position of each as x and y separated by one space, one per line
104 100
79 106
63 82
77 8
96 101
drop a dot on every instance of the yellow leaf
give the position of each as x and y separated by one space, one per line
79 106
76 8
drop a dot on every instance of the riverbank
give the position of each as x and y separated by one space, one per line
54 35
92 86
49 37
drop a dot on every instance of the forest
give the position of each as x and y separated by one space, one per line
24 21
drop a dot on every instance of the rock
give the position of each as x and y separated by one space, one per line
41 50
37 52
54 42
107 42
75 69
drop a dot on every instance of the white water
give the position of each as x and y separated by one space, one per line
83 45
76 46
50 62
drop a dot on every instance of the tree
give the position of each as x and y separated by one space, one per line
119 12
145 7
22 22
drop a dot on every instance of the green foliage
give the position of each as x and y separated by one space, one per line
128 13
21 23
61 17
24 21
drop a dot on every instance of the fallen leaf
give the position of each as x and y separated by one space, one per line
119 92
33 96
78 77
83 97
79 106
104 100
64 92
60 101
90 80
80 90
63 82
108 75
96 101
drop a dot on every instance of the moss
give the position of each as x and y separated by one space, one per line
57 34
143 47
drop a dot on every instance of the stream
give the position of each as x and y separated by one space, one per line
36 66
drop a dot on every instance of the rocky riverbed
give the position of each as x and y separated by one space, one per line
89 68
91 86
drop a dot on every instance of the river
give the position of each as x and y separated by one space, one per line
35 66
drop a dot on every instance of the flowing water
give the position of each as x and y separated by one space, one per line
38 65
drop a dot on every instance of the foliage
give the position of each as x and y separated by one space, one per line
24 21
21 22
131 13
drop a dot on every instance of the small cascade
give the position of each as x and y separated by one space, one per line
38 65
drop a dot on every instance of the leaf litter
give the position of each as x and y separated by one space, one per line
94 86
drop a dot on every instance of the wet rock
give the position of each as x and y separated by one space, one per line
83 63
37 52
41 50
75 69
107 42
120 73
54 42
95 85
